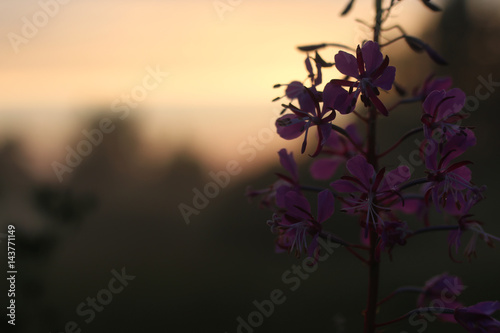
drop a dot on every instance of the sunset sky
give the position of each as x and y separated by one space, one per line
221 67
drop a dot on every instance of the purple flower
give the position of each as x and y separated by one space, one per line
413 204
477 318
368 189
430 84
371 70
339 150
297 223
291 126
449 184
391 233
463 201
315 79
275 193
441 112
467 224
442 291
295 89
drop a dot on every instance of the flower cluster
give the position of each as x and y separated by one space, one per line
390 205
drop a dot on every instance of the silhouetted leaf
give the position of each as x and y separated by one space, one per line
435 56
418 45
308 48
322 62
399 89
431 6
348 8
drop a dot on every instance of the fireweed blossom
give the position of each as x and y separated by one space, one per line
450 184
413 204
368 189
391 233
478 318
297 222
379 199
441 112
431 84
339 150
285 183
296 89
444 290
291 126
465 223
372 72
316 79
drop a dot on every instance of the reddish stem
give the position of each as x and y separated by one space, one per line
371 308
417 311
398 291
401 140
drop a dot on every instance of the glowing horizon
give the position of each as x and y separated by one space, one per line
221 72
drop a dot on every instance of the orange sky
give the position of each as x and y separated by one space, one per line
221 71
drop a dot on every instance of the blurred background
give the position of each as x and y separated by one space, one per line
180 89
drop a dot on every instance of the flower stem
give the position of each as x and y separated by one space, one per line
392 41
401 140
348 137
398 291
374 270
357 255
417 311
333 238
330 237
414 182
435 228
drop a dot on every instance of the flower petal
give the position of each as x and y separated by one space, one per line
297 205
372 56
359 167
458 144
280 195
324 168
386 80
288 162
452 105
393 178
326 205
345 186
294 89
462 175
431 102
333 95
347 64
431 84
293 130
488 308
